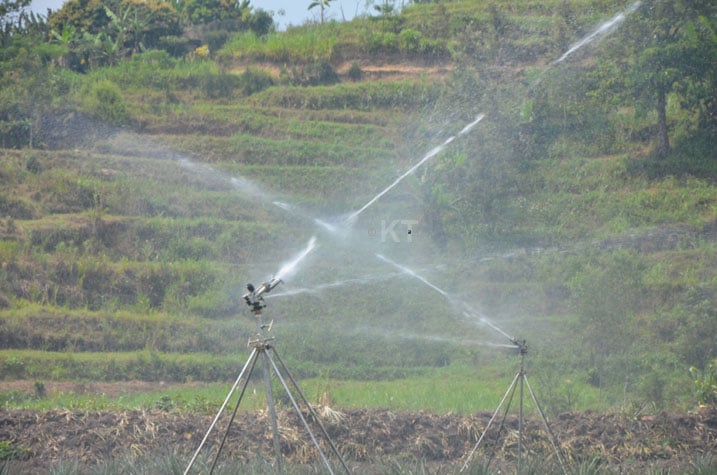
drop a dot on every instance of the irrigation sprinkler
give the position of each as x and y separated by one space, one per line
255 296
262 345
520 381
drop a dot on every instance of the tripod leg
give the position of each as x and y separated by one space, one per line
234 414
505 416
272 412
250 360
301 416
520 423
311 410
511 388
553 439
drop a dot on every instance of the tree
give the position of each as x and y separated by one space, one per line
27 84
386 8
670 45
198 12
128 25
10 9
323 5
83 15
104 32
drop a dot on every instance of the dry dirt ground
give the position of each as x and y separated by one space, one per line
373 69
34 441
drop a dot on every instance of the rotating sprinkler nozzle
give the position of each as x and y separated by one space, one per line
254 298
521 345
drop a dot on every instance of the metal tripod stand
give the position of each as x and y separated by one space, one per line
262 346
520 381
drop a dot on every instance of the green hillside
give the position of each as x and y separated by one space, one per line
150 171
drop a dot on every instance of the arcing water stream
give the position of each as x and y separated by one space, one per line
336 284
352 217
469 312
290 268
604 28
408 271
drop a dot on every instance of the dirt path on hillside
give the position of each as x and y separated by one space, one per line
372 70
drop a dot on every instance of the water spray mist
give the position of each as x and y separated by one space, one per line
469 312
351 219
599 31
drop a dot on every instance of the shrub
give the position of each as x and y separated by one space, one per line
321 73
15 208
216 86
177 46
254 80
410 41
106 103
355 72
385 42
313 74
33 165
705 384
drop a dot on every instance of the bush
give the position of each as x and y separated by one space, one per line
381 42
355 73
321 73
254 80
106 103
217 86
15 208
177 46
33 165
410 41
313 74
705 384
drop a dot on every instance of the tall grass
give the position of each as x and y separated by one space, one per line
293 46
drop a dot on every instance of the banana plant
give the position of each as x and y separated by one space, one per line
128 26
323 6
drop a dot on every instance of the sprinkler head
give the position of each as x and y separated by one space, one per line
254 298
521 345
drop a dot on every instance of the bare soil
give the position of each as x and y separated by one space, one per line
363 436
373 68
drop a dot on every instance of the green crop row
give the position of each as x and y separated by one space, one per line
460 389
240 118
253 150
400 95
51 330
106 366
325 187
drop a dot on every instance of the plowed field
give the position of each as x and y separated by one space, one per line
634 444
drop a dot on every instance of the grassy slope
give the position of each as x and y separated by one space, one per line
128 257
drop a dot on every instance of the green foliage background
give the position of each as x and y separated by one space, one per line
141 168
